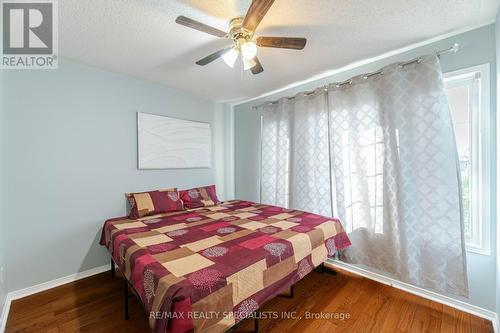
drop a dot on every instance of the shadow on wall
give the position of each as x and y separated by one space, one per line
97 302
96 250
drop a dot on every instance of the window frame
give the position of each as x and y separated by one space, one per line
480 145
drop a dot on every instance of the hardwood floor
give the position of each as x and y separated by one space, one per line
95 304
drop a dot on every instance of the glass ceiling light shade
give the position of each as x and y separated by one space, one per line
230 57
249 50
247 64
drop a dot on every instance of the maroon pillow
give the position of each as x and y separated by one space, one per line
199 197
153 202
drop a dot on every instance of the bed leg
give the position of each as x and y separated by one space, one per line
324 270
125 294
256 323
113 273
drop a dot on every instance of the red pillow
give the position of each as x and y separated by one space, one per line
153 202
199 197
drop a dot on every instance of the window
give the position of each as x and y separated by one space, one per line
468 95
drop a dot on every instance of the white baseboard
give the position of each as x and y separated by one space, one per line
496 324
13 295
469 308
433 296
56 283
5 313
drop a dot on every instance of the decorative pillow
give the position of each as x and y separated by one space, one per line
153 202
199 197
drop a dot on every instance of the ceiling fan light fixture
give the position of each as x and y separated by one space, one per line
241 32
248 64
249 50
230 57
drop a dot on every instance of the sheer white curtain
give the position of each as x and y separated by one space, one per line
275 150
392 175
295 154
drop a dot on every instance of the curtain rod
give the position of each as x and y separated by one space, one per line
452 49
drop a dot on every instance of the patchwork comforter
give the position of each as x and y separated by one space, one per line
206 269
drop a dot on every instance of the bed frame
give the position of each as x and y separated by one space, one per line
127 286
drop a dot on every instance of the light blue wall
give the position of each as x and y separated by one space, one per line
497 26
477 47
3 193
72 156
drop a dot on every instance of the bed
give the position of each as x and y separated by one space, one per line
206 269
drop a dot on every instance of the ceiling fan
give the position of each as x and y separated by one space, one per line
241 30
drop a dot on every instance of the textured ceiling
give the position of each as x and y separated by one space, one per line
140 37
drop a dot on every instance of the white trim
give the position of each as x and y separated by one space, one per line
363 62
433 296
481 140
475 310
496 324
56 283
13 295
5 314
497 132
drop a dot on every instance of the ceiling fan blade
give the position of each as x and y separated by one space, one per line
256 13
208 59
257 68
282 42
186 21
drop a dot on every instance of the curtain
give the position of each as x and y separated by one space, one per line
295 154
391 174
275 150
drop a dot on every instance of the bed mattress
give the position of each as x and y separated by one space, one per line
206 269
